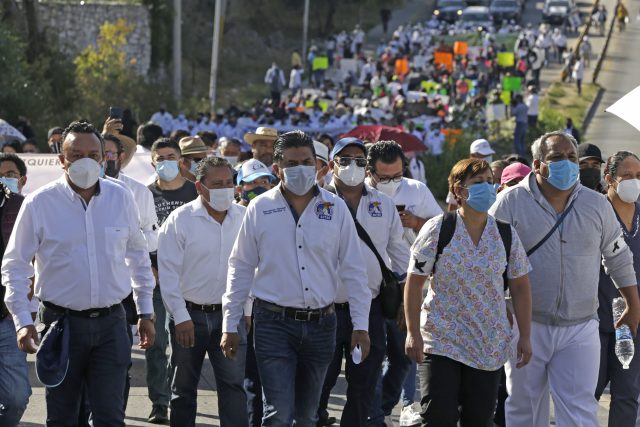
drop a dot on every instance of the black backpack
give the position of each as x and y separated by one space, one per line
448 227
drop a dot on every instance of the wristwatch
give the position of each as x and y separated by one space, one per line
147 316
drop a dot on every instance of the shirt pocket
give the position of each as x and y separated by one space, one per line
115 239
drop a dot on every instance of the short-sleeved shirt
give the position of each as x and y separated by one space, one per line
167 201
464 314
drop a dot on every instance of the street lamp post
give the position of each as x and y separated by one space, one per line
305 30
214 54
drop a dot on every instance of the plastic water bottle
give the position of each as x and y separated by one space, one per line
624 340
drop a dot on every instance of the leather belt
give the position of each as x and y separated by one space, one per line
207 308
299 314
92 313
341 305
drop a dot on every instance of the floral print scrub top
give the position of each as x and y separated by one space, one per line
464 314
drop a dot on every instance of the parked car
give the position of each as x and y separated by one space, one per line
476 17
505 10
557 11
449 10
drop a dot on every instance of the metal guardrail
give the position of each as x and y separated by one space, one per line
601 59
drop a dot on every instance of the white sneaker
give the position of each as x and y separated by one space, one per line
410 416
388 422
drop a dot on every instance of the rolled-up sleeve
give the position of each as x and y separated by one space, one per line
242 265
170 260
616 255
17 268
397 248
353 274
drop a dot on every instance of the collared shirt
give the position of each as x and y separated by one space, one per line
147 209
296 263
193 256
82 251
379 217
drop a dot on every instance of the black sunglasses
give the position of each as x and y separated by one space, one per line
346 161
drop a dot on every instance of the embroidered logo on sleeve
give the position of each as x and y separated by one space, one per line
375 209
324 210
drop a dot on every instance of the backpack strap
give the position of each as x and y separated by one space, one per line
505 234
447 228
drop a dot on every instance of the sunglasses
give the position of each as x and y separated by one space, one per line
346 161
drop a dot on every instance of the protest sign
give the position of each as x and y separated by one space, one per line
506 59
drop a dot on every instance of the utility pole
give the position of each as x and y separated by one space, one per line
214 54
177 50
305 30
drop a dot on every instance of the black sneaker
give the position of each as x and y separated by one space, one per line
158 415
323 422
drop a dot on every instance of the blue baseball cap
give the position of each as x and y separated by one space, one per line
343 143
52 358
253 169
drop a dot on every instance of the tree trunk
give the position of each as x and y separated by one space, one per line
10 13
331 11
33 32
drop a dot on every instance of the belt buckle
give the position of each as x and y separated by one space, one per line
306 315
94 314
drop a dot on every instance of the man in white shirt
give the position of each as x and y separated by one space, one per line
164 119
377 214
416 205
194 245
296 246
81 272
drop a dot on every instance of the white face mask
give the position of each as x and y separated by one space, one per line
629 190
351 175
299 179
220 199
233 160
388 188
84 172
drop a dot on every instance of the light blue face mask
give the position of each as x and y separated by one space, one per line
194 166
481 196
562 174
167 170
11 184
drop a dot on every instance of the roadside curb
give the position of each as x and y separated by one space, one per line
592 110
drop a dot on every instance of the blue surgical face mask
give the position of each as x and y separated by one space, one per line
11 184
562 174
167 170
481 196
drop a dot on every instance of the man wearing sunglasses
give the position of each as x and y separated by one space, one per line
378 216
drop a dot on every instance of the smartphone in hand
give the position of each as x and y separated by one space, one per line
115 113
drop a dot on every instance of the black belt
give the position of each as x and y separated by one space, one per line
341 305
92 313
207 308
299 314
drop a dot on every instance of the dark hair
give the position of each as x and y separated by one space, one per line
386 152
327 136
226 141
148 134
13 144
115 140
465 169
166 143
516 158
499 164
293 139
10 157
178 134
209 138
614 161
82 127
211 162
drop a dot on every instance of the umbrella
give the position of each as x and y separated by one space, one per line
627 108
375 133
8 132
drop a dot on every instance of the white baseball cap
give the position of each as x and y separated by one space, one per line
322 151
482 147
253 169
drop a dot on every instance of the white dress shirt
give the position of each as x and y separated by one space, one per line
82 251
193 256
144 201
378 216
299 263
417 199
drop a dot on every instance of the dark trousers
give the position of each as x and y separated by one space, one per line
186 365
99 355
447 385
252 385
625 383
362 378
275 98
158 369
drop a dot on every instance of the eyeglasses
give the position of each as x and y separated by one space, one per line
10 174
388 179
346 161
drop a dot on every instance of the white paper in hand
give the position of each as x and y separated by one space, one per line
356 355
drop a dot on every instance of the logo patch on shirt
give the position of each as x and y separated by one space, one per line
324 210
375 209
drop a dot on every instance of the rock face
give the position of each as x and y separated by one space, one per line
77 25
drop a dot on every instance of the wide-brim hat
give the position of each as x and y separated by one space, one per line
129 148
52 357
261 134
192 145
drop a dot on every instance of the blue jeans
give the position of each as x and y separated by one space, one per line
252 385
362 378
519 135
409 387
158 370
186 365
292 358
99 356
14 376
